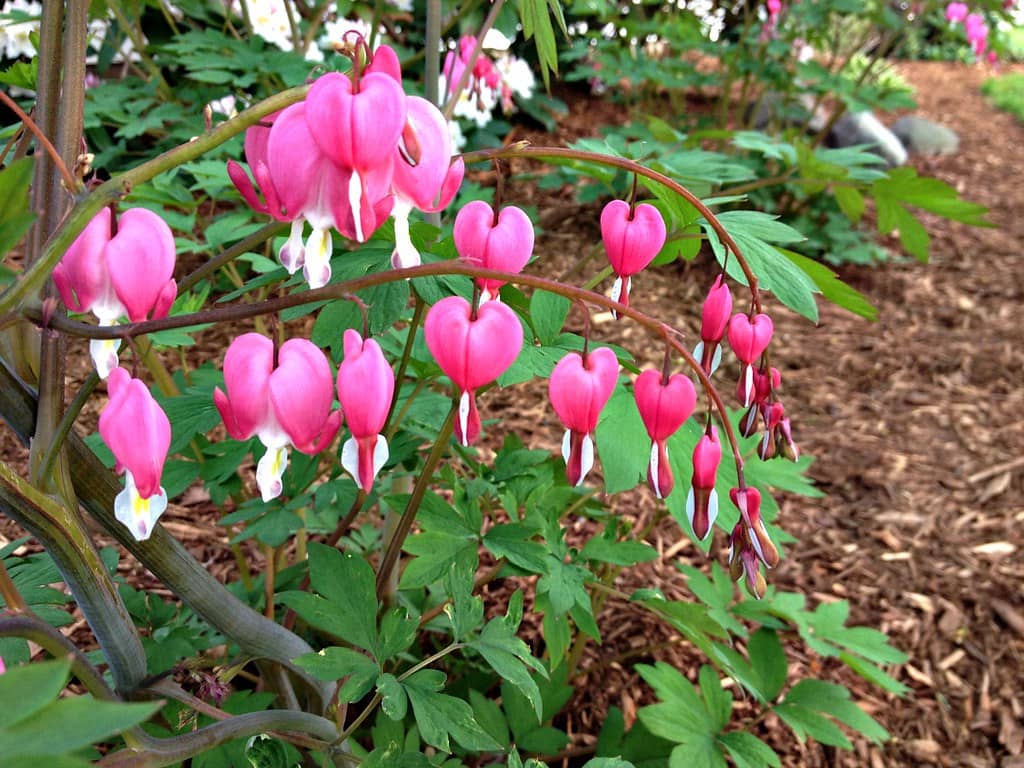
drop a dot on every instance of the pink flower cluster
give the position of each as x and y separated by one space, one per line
357 150
974 26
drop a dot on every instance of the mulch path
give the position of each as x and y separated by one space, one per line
916 422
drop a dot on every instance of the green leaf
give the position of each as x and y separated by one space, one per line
349 584
563 585
490 717
810 723
607 762
27 689
680 716
622 443
748 751
851 202
336 663
832 288
439 715
834 700
769 661
513 542
548 312
510 657
264 751
393 699
15 217
717 700
398 630
702 752
70 724
625 553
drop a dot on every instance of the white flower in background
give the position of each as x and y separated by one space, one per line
477 106
402 5
496 41
14 35
335 31
269 19
226 106
517 75
458 138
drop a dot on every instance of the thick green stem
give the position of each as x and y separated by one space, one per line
35 630
33 277
155 753
67 542
394 548
162 554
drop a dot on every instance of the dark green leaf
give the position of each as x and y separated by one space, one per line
748 751
336 663
393 699
349 584
67 725
27 689
769 661
439 715
548 312
717 700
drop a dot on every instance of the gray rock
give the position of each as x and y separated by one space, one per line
775 107
854 128
926 137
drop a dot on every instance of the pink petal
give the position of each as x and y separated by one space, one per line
136 430
366 385
247 367
141 260
631 243
82 276
578 392
506 245
301 392
664 407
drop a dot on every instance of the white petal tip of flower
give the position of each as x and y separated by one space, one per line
652 469
566 445
350 460
104 355
690 506
135 513
269 472
317 269
712 510
462 419
355 196
586 458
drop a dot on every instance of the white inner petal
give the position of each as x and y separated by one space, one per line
464 418
292 253
270 470
350 460
405 254
566 445
104 355
586 458
318 258
355 196
655 481
135 513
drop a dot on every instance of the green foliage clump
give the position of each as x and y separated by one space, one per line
1007 93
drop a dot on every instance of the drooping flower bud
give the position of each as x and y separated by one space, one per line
505 244
632 238
749 339
138 433
714 319
702 500
579 388
472 350
664 408
286 405
129 273
743 561
764 385
748 502
366 385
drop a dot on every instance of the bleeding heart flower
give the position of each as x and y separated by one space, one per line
956 12
702 500
358 127
632 238
664 407
116 273
283 402
579 388
472 350
138 433
764 383
504 243
749 339
366 385
743 561
257 139
748 502
428 181
714 319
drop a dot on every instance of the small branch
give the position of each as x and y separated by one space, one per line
9 592
453 95
394 548
67 421
32 628
69 181
230 254
33 277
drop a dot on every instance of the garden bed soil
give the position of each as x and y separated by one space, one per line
918 425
